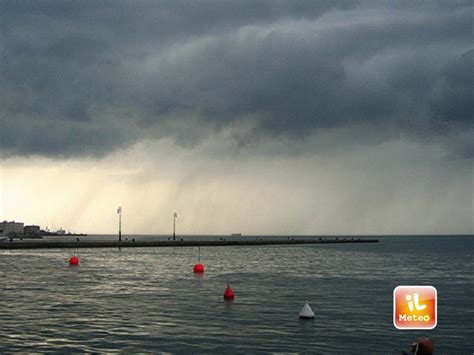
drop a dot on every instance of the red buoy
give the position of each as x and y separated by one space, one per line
229 293
74 260
198 268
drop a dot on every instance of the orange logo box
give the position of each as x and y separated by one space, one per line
415 307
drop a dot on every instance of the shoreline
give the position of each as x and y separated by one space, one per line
51 244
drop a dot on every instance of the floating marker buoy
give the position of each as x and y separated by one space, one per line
306 312
198 268
74 260
229 293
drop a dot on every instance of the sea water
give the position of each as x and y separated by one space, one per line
149 300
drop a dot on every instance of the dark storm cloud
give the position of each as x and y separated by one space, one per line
453 90
89 77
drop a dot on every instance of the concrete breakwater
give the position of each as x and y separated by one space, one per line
48 244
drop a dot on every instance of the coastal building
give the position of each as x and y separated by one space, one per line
11 229
31 231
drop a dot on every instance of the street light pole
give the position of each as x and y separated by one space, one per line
119 211
175 215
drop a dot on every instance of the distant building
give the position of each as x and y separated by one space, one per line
11 229
31 231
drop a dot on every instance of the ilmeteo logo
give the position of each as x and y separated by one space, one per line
415 307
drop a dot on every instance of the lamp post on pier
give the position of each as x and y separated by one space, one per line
175 215
119 211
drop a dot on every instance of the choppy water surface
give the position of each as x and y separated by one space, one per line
149 299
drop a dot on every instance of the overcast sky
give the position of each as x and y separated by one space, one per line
265 117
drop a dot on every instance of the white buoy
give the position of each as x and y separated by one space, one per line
306 312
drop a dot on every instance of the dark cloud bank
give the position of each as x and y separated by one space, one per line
86 78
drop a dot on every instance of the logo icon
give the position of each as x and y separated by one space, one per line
415 307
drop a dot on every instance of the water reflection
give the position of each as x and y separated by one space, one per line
150 300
